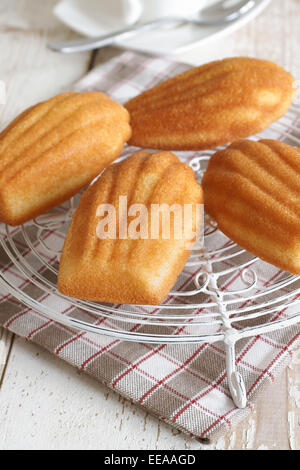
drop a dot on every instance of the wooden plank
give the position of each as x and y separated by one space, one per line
6 340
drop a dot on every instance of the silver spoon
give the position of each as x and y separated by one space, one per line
220 13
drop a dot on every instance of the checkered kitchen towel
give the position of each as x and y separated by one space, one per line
183 385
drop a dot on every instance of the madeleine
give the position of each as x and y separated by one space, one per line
252 190
122 268
211 105
54 149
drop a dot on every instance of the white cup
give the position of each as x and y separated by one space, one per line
152 9
97 17
131 11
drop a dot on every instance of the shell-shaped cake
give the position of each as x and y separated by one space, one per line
54 149
252 190
138 256
211 105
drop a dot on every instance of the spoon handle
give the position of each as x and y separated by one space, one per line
87 44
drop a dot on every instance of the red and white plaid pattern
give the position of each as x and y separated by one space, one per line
183 385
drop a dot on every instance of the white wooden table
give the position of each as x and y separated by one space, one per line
46 404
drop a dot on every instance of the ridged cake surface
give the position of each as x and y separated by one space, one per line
211 105
127 270
252 190
55 148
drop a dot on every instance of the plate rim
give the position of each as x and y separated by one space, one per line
222 31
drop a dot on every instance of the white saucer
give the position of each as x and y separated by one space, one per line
160 41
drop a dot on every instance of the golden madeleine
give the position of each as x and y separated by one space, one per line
125 267
211 105
252 190
54 149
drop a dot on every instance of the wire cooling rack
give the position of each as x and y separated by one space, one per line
221 295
